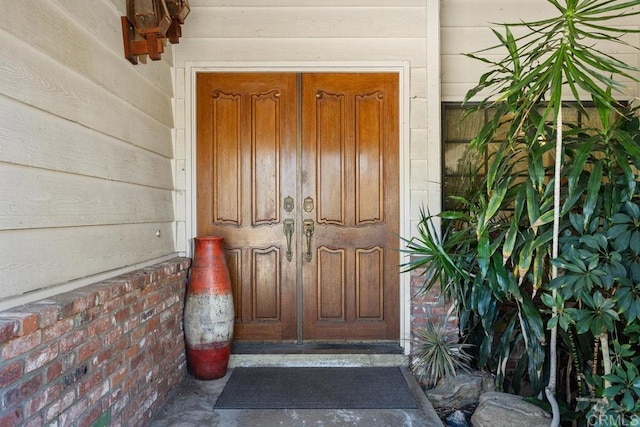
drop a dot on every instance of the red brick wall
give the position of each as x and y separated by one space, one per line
424 305
428 307
106 354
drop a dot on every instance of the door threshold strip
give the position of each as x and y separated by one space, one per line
316 348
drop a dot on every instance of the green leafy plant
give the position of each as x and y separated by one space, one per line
542 259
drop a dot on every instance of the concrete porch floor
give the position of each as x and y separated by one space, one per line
192 403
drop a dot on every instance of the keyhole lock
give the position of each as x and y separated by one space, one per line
288 204
307 204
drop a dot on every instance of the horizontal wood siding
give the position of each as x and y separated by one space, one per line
307 3
41 140
349 32
66 200
313 49
86 150
38 255
305 22
466 28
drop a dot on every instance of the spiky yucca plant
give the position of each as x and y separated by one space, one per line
438 353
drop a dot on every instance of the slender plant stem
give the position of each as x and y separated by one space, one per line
553 350
606 357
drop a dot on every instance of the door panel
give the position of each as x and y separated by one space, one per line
340 169
349 161
246 163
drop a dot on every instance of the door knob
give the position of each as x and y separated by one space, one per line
307 229
288 231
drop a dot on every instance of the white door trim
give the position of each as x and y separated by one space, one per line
400 67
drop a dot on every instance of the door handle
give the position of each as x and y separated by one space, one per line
288 231
307 228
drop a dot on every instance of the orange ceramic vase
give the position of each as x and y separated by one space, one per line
208 311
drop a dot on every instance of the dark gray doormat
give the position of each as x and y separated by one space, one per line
316 388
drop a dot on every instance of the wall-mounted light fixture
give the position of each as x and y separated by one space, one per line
148 23
178 9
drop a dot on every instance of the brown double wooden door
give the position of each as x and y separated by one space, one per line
299 174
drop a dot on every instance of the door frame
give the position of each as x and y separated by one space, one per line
400 67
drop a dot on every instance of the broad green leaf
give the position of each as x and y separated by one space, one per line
560 263
509 241
623 163
628 402
577 166
501 275
633 210
510 237
484 252
496 199
536 170
533 208
613 390
634 242
548 300
539 268
571 200
604 111
615 231
621 218
545 218
629 144
553 322
524 262
593 190
532 317
455 215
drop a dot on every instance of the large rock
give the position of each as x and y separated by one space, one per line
506 410
462 390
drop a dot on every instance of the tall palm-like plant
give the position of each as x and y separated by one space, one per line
557 53
502 275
